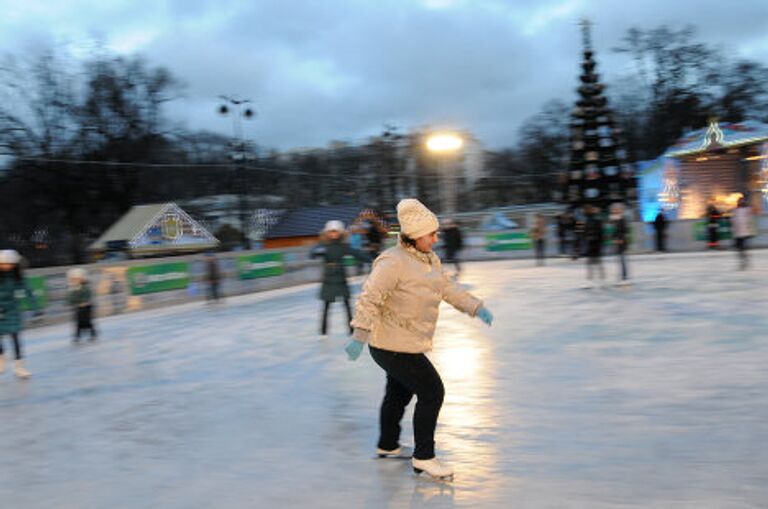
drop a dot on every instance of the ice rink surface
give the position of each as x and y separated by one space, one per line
650 396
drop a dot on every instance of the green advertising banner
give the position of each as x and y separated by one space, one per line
260 265
37 285
158 278
507 241
700 230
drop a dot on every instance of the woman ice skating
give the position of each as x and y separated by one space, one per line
11 283
80 298
332 249
593 238
396 315
620 237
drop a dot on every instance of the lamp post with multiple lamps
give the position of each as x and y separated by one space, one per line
445 146
238 108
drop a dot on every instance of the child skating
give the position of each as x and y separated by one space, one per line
81 299
396 315
332 249
11 284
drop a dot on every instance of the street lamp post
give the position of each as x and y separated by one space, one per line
239 154
446 147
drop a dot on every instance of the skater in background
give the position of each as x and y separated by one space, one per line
593 239
620 236
453 242
373 239
11 282
396 315
80 298
741 221
538 235
660 226
213 278
356 242
713 226
578 234
332 249
563 224
116 293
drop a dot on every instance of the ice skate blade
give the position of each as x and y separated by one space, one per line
419 471
401 453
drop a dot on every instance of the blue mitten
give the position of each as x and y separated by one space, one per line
485 316
354 348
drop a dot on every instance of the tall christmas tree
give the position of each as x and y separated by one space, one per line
598 173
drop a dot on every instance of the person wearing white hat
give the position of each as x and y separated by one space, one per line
332 249
396 315
81 300
12 282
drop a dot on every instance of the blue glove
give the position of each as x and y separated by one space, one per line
354 348
485 316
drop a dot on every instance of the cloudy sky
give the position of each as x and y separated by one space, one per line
321 70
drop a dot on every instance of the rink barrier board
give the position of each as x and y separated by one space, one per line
160 277
260 265
113 293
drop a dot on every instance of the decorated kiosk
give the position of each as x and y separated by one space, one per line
153 230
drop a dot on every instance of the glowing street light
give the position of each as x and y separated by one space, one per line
444 142
446 145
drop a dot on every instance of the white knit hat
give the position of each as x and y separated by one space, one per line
334 225
9 256
415 219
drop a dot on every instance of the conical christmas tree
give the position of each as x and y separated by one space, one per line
598 173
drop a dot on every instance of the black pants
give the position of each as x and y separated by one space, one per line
660 241
620 252
84 321
326 305
213 292
540 250
452 256
409 374
595 263
741 245
16 345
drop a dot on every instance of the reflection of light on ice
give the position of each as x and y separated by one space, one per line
463 359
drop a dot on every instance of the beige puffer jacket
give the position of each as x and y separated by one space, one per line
398 308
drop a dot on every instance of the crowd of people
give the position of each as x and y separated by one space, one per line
396 313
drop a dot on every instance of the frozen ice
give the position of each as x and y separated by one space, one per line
654 395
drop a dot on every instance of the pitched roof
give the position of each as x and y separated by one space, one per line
722 134
144 229
309 221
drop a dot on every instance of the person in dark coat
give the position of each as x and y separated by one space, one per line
373 240
332 249
453 242
578 235
11 283
80 298
620 238
566 225
593 239
660 225
713 226
213 277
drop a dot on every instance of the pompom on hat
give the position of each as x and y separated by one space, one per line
334 225
415 219
9 256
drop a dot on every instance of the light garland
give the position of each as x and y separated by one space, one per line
669 196
764 171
